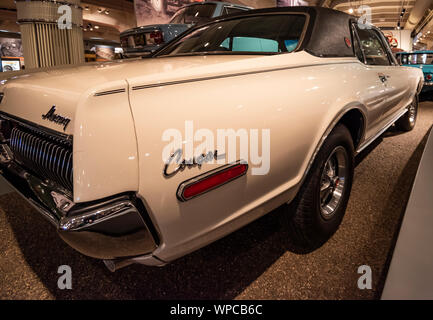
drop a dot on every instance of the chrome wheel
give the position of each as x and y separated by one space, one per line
333 180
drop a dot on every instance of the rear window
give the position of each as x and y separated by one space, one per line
195 14
270 34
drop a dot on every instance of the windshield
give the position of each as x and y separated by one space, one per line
197 14
270 34
416 58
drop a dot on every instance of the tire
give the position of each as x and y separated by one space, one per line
309 217
408 120
159 6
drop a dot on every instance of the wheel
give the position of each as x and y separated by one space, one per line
318 209
159 6
408 120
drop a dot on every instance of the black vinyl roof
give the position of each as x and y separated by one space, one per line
326 32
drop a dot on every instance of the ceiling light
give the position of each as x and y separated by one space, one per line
107 12
96 27
351 10
86 8
99 10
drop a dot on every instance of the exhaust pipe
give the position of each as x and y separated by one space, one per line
147 260
114 265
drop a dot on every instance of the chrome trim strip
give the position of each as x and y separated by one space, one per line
156 85
104 93
386 127
92 218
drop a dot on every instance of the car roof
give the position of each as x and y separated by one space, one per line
221 3
327 29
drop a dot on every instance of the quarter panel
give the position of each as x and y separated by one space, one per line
297 105
105 149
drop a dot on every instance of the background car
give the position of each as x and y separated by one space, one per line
168 6
423 60
145 39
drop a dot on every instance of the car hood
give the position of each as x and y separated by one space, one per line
33 94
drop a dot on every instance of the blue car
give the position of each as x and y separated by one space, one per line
422 59
146 39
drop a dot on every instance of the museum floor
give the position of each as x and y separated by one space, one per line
253 263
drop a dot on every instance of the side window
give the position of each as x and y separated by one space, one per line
374 50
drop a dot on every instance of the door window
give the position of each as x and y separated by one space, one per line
373 48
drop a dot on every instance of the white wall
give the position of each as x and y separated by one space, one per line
404 41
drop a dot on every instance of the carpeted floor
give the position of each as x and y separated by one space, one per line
253 263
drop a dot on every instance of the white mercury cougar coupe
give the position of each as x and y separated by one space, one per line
145 161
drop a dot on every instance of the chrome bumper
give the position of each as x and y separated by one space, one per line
114 228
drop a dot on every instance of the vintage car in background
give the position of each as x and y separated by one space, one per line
146 39
423 60
169 6
85 145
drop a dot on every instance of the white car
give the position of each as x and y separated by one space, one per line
124 158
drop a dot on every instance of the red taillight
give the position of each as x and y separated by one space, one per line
157 37
428 77
210 181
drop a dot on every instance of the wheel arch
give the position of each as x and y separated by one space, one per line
347 116
354 120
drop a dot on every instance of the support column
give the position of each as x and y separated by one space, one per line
44 43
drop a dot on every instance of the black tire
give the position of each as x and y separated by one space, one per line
308 226
408 121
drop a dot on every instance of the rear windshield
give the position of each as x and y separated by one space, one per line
195 14
416 58
270 34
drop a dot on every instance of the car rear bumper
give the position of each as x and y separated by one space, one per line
114 228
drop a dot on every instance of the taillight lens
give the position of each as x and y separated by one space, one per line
211 181
155 37
428 77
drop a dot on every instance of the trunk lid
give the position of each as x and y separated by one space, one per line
32 95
